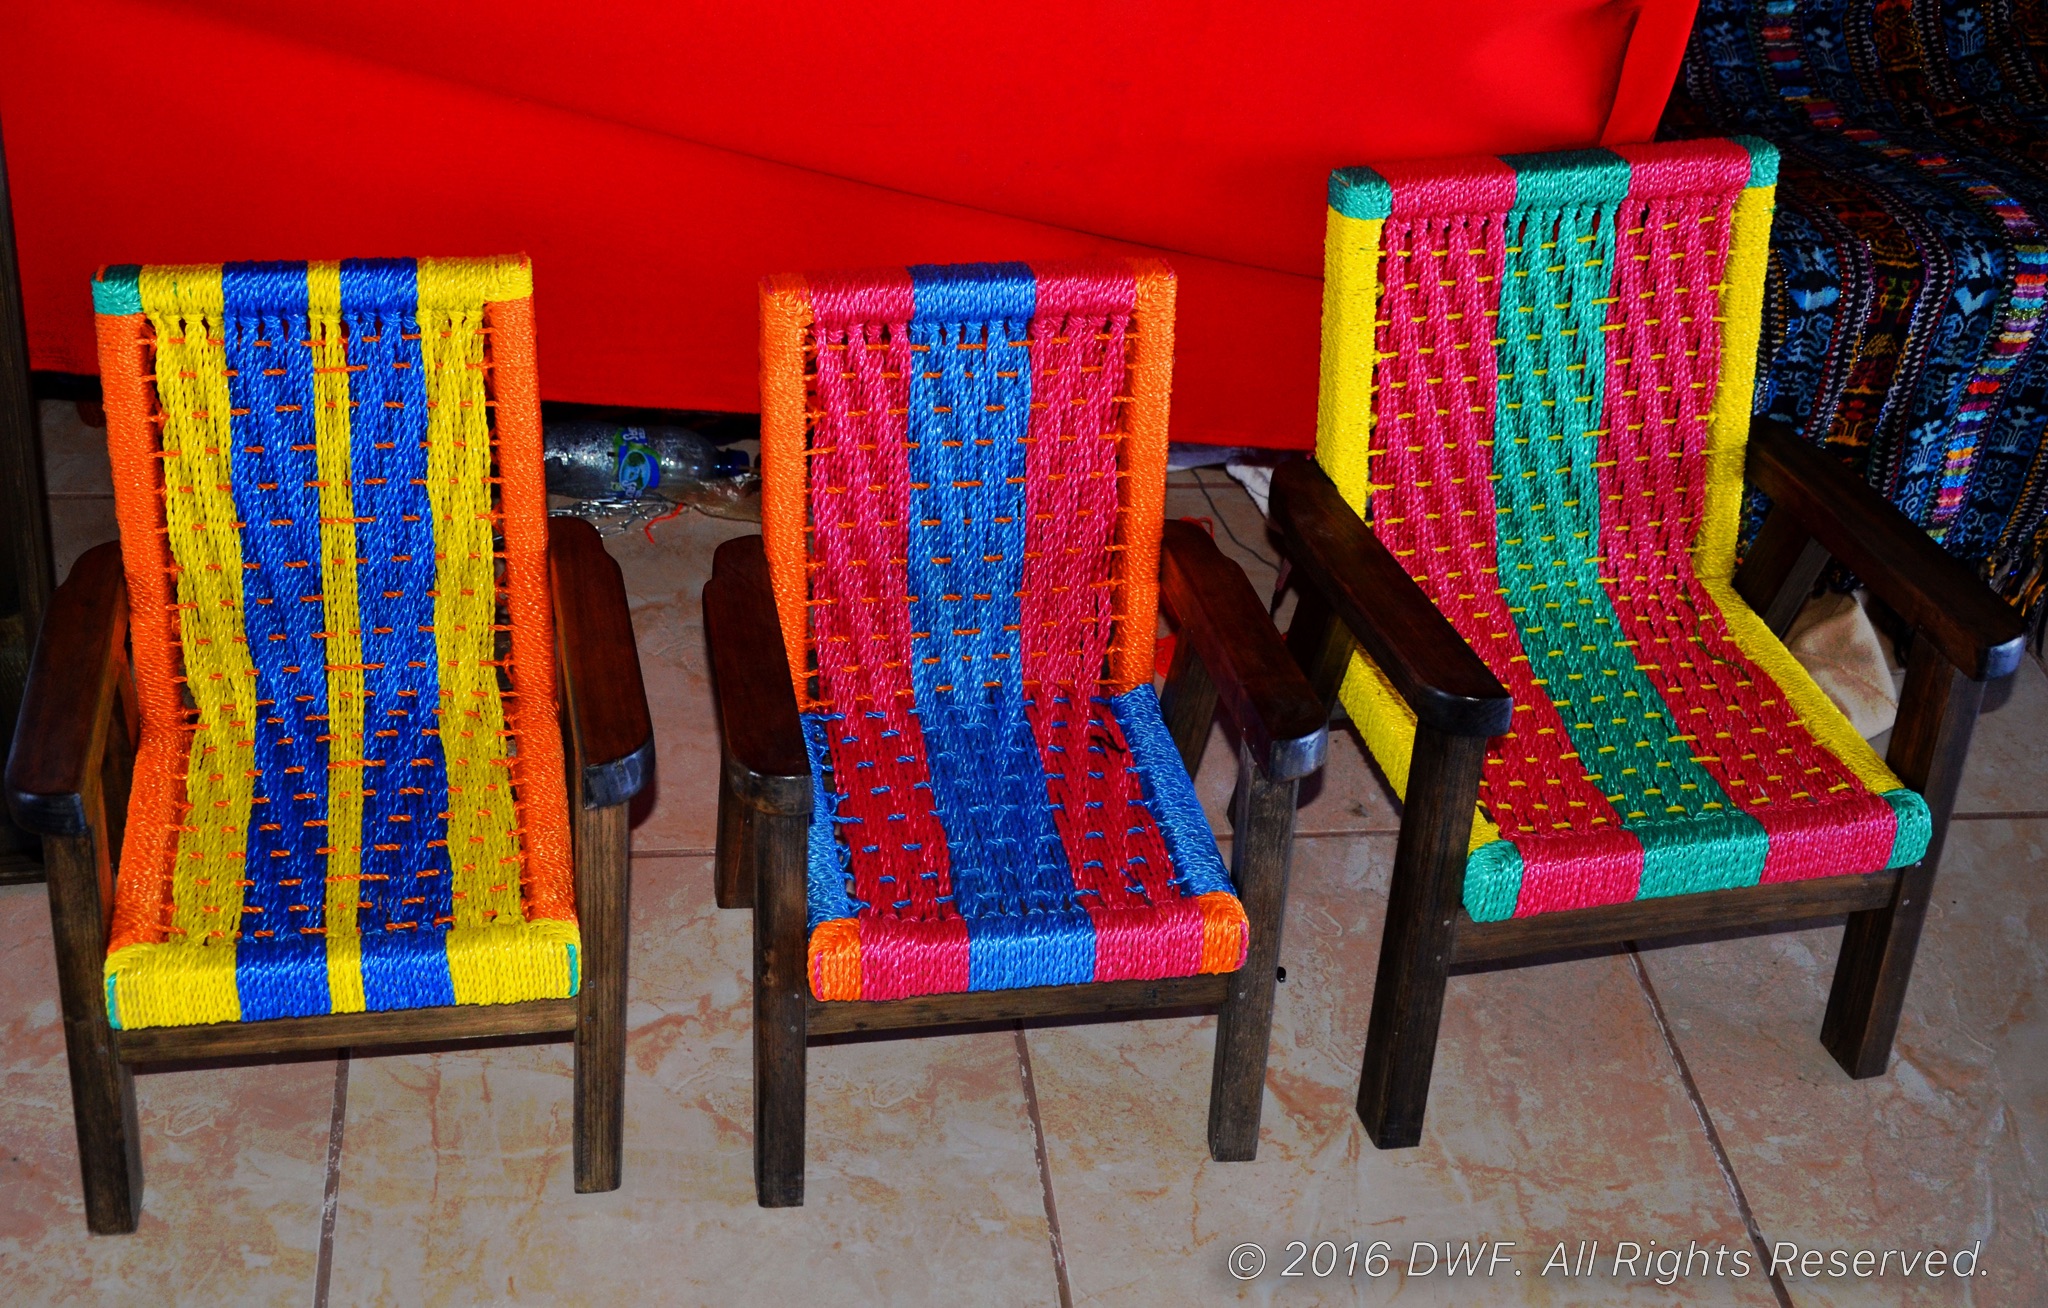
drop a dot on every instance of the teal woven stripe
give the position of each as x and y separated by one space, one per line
1562 179
1916 827
1553 377
117 291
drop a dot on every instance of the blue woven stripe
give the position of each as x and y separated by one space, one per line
825 890
275 475
1169 794
968 510
403 798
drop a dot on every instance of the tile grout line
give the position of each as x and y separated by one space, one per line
1706 1120
330 1201
1052 1216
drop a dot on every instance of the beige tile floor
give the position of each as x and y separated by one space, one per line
1679 1096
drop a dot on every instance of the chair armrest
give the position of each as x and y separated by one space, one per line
73 683
1421 653
765 758
1219 614
603 697
1928 587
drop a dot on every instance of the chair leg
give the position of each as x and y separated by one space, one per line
1938 713
602 879
1259 856
1321 645
1415 950
781 986
102 1090
734 873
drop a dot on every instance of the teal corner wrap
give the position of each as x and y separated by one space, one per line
1361 193
1916 827
1763 159
117 291
1493 881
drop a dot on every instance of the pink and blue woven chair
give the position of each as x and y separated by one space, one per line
950 791
1517 554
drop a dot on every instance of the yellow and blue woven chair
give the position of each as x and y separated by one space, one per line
348 654
950 793
1516 551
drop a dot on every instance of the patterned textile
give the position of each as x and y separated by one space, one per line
1536 383
349 791
1909 267
963 484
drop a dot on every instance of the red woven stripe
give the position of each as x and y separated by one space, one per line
1433 505
1663 365
912 939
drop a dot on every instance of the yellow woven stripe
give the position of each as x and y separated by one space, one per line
345 778
466 285
190 977
486 959
1386 722
1808 700
1351 257
1742 313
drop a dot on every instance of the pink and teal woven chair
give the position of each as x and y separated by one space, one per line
346 651
1517 553
950 791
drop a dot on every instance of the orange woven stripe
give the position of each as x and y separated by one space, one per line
159 787
1132 657
1226 933
785 316
522 494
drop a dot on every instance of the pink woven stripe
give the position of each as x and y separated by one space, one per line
1663 365
867 296
1095 287
1439 188
1668 169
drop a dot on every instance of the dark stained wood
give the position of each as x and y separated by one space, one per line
1932 590
733 872
1257 683
977 1006
1415 950
602 688
781 994
81 884
73 680
603 906
1651 919
1321 645
1781 569
293 1035
757 705
1418 649
1188 704
1937 714
24 510
1259 858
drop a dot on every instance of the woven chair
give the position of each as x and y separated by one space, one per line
1537 374
950 793
349 817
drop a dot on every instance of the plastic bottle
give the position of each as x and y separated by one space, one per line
595 460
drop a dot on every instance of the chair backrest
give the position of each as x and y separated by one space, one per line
997 433
333 521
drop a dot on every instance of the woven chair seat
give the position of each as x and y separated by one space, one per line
964 546
349 791
1538 375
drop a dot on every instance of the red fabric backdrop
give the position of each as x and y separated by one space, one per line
657 158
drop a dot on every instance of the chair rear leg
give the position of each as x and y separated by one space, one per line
102 1089
781 987
1259 856
1938 713
1415 949
602 879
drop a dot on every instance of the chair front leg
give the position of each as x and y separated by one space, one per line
781 986
1415 948
1937 715
733 873
603 880
1263 814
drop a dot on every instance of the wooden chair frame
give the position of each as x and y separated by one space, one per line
68 778
1355 595
1227 657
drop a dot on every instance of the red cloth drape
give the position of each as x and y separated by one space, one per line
657 158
